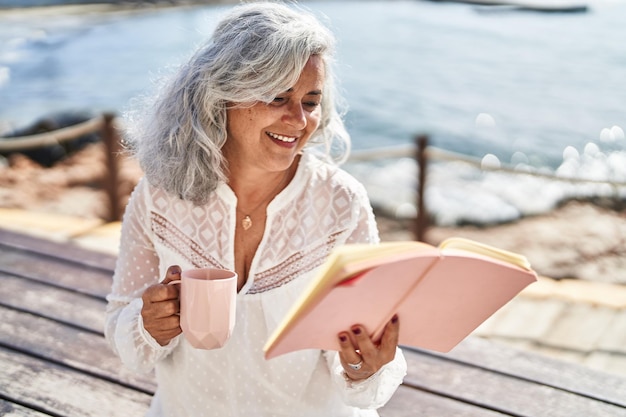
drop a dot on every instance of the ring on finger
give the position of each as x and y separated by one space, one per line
356 366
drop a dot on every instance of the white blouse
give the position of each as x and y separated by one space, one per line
321 208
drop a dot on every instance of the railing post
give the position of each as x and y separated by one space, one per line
421 221
111 141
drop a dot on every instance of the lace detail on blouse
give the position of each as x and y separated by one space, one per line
296 265
173 238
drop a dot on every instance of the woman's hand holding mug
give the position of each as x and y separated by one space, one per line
161 308
198 302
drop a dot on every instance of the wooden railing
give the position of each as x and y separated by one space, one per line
420 150
105 125
424 153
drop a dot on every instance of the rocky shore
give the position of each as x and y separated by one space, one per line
579 239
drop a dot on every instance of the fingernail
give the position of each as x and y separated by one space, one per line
356 330
175 270
343 338
394 319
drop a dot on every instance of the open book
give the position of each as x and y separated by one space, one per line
441 294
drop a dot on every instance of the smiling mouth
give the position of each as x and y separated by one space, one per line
286 139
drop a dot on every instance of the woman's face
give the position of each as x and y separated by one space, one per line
269 136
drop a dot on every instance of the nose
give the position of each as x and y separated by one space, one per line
295 115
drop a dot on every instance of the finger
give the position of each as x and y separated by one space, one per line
164 330
389 339
347 352
350 357
163 309
167 308
163 291
160 292
163 324
172 274
364 343
391 333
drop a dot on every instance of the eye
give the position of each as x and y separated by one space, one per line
279 100
311 104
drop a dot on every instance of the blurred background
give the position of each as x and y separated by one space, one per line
537 92
524 111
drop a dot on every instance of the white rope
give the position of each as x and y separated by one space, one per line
409 151
404 151
50 138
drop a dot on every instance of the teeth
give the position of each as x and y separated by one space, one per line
282 138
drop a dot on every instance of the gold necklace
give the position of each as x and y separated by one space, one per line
246 222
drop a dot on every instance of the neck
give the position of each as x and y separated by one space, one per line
259 190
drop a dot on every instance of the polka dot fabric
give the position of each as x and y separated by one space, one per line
321 208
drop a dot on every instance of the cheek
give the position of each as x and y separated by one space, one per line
313 124
248 119
259 118
314 120
245 125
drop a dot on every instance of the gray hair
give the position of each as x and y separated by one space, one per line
255 53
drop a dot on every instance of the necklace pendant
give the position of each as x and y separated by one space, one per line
246 223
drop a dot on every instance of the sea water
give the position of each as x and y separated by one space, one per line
541 93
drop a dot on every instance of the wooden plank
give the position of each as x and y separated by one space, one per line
56 303
58 390
9 409
542 369
61 250
410 402
52 301
73 347
58 272
498 391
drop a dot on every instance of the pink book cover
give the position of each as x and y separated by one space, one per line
440 297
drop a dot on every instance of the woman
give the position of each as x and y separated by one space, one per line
232 181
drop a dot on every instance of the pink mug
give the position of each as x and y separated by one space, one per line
207 306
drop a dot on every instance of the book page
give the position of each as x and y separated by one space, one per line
349 260
485 250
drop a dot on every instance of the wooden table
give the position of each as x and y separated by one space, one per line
54 359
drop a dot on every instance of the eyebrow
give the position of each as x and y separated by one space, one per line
310 93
